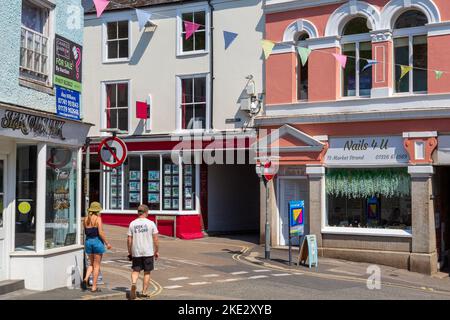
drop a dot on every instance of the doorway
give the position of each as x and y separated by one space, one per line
3 251
290 189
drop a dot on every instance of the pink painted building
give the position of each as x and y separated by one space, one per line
365 146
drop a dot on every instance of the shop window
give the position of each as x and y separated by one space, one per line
302 70
356 79
152 181
2 192
132 176
411 49
115 187
117 46
363 198
117 106
188 187
26 175
197 42
193 102
61 197
171 183
34 43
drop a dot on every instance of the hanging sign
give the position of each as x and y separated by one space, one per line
68 64
296 214
67 103
112 152
367 151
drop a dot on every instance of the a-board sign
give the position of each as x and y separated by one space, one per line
308 251
112 152
296 221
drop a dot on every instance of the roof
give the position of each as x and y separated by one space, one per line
88 5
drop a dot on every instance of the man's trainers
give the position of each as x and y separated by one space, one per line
133 292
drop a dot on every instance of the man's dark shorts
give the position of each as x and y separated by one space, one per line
143 263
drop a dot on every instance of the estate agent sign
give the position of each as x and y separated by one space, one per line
366 151
68 67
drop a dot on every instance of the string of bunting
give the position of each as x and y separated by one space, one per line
304 54
144 16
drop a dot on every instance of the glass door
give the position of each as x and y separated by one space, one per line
3 251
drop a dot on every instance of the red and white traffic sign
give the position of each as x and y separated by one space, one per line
112 152
269 171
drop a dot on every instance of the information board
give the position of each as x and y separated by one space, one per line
67 103
308 251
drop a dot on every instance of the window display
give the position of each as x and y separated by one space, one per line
188 186
152 185
171 185
60 222
133 188
115 197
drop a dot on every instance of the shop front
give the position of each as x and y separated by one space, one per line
40 194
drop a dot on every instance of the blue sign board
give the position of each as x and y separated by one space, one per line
312 250
67 103
296 217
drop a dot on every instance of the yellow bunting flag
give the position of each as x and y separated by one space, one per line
304 54
438 74
267 46
405 70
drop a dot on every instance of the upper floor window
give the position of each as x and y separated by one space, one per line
356 80
302 70
193 102
410 49
197 42
35 44
117 105
117 41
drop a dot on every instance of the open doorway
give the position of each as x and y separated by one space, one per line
441 192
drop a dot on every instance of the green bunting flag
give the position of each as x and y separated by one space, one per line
405 70
304 54
438 74
267 47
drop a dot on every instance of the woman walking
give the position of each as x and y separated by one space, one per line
94 244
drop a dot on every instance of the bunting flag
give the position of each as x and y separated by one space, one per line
438 74
341 59
267 46
304 54
143 17
405 70
229 38
369 64
100 6
190 27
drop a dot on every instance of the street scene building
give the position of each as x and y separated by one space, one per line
362 127
41 135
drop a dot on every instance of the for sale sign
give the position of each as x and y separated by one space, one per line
68 64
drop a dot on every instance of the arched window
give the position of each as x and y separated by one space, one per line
357 46
302 70
410 49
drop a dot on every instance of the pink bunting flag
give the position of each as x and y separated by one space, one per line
341 59
100 6
190 27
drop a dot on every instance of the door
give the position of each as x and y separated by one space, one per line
3 251
291 189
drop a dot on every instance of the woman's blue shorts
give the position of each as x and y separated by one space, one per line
94 246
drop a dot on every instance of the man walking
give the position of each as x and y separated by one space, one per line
142 249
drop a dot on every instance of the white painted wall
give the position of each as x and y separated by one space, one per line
154 64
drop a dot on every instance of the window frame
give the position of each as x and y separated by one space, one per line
115 18
409 33
103 108
179 30
179 113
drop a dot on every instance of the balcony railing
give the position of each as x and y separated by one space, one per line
34 52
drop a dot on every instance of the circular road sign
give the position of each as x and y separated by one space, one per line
269 171
112 152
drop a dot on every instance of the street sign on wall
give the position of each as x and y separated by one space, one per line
112 152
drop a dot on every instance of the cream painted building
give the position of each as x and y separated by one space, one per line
194 89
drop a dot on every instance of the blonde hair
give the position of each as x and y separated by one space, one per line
90 214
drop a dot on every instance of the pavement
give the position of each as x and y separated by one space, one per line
233 267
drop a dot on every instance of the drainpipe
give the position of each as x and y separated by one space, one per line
211 64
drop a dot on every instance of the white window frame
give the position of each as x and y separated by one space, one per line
179 40
115 17
354 39
179 113
50 28
409 33
104 99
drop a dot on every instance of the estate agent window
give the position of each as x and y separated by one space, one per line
193 102
366 198
34 42
117 105
117 41
410 49
197 42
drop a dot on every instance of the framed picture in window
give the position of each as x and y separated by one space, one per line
134 197
153 198
113 203
153 186
167 192
188 204
188 170
188 181
174 203
135 186
167 180
175 192
114 181
167 204
153 175
167 169
174 169
135 175
175 180
114 192
188 192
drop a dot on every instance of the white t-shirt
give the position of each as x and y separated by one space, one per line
142 231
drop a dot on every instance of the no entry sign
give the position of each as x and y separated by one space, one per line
269 171
112 152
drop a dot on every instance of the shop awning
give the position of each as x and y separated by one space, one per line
364 183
